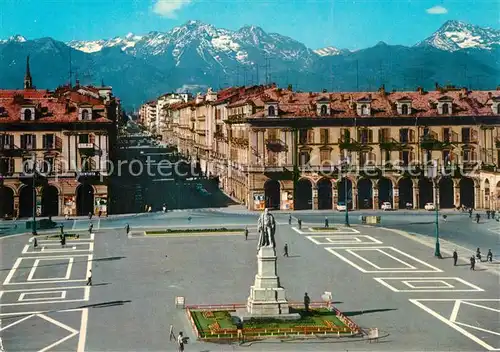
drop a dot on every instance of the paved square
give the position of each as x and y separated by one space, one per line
422 284
343 239
382 259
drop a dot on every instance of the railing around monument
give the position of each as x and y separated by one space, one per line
232 334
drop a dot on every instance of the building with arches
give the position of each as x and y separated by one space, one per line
283 149
68 135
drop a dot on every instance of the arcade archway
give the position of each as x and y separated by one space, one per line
324 194
446 197
84 199
303 195
26 202
467 192
365 193
405 186
385 190
6 201
50 201
425 192
345 189
272 194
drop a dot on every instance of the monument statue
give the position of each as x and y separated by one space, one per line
267 228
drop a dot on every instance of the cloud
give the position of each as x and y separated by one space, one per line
437 10
168 8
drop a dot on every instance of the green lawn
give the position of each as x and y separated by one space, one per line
187 231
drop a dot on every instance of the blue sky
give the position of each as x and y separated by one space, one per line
350 24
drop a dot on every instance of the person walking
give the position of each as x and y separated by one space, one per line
470 213
326 222
285 250
172 335
290 219
246 233
180 341
35 243
455 257
63 240
299 222
89 278
478 254
91 227
477 218
127 228
489 256
472 263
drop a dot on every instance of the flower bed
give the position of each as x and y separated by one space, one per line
212 230
219 325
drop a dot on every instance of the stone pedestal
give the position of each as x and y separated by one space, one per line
266 296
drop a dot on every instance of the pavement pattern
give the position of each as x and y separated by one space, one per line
380 278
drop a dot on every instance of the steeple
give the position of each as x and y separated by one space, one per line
28 82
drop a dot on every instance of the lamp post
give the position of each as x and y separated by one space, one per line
33 228
345 164
432 173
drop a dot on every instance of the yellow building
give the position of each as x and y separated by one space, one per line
67 134
288 150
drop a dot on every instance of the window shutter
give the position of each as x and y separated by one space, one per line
400 155
44 141
412 136
370 136
412 156
23 141
33 141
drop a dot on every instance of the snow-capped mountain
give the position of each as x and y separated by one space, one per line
456 35
15 38
93 46
330 51
213 45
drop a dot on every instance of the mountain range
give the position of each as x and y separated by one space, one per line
198 55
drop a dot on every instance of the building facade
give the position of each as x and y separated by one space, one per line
282 149
65 136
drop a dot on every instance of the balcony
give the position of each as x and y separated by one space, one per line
392 144
242 142
431 142
276 145
10 150
89 149
352 145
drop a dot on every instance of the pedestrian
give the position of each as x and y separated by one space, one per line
472 263
89 278
478 254
62 230
127 228
285 250
487 214
299 222
99 213
470 213
180 341
493 214
477 218
246 233
35 243
455 257
326 221
90 215
63 241
307 301
445 217
489 256
290 219
172 335
91 227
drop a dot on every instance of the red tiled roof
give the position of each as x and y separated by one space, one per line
50 107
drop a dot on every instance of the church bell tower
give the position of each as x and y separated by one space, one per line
28 82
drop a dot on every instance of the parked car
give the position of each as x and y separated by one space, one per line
386 206
429 206
341 206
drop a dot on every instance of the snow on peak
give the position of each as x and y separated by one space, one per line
457 35
329 51
15 38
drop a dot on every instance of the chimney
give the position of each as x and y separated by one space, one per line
324 90
77 83
420 90
490 95
310 94
341 97
369 95
460 96
465 91
382 89
436 85
290 88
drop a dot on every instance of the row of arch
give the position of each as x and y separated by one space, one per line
50 201
304 194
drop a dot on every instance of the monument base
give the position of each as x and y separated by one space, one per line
267 299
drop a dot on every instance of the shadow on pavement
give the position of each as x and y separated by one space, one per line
361 312
105 304
101 284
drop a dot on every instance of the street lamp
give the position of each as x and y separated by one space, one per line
344 165
432 173
33 228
